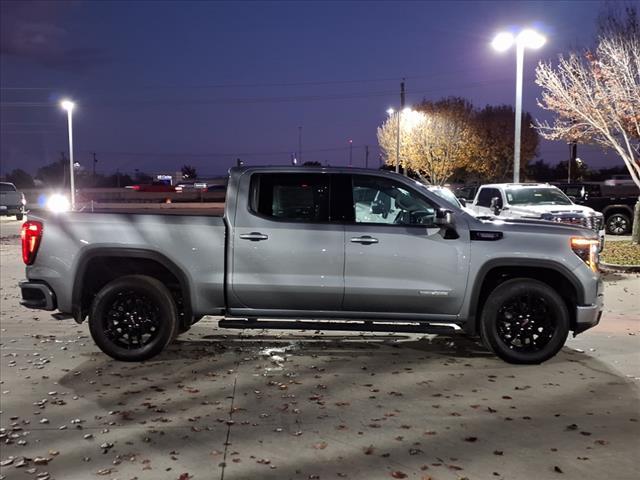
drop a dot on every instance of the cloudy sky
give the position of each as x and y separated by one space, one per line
160 84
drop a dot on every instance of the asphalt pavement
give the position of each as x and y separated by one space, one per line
310 405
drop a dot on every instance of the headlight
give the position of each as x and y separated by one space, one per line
587 249
58 203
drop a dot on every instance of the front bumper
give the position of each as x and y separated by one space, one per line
37 295
588 316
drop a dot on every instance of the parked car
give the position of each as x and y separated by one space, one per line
467 192
368 250
616 204
536 201
191 187
449 196
617 180
152 187
12 202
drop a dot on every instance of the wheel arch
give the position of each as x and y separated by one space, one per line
126 261
494 272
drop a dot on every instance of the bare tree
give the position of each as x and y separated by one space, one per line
596 97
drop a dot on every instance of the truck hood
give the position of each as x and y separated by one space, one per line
534 226
536 211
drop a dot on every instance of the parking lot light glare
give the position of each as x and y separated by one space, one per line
67 105
503 41
531 39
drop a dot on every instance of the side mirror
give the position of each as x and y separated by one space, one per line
495 205
444 218
463 202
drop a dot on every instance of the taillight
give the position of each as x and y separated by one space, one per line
31 234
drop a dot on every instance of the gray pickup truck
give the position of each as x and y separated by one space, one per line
316 248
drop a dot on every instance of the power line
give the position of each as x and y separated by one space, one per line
272 84
257 100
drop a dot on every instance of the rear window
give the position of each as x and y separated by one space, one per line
7 187
291 196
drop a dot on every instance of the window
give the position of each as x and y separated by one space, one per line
291 196
7 187
537 196
381 200
485 196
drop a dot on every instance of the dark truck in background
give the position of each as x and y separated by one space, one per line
616 203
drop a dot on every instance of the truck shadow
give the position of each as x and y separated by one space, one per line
365 405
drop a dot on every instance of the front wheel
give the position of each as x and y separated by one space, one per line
524 321
133 318
618 224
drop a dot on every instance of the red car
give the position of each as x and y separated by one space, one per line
153 187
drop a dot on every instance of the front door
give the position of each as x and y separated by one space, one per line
396 259
287 255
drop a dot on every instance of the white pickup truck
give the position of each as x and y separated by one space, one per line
539 201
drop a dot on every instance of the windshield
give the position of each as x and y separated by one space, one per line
447 194
7 187
537 196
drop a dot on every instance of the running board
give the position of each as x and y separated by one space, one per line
366 326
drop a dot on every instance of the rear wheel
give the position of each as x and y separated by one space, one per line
524 321
133 318
618 224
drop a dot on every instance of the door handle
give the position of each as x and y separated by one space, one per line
364 240
254 236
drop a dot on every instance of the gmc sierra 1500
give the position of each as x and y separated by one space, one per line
331 248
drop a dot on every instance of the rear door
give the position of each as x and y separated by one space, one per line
287 252
396 259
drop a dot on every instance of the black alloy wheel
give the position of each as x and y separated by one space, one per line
524 321
133 318
618 224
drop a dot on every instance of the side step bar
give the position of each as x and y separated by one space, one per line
366 326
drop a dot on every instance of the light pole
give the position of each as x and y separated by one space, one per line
527 38
68 105
391 111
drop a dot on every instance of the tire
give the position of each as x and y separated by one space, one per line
618 224
524 321
19 216
114 328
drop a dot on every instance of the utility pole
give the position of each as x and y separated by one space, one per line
404 170
399 126
350 153
366 156
573 154
299 156
63 161
239 163
95 160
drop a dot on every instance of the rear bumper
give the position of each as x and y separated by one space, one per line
11 209
37 295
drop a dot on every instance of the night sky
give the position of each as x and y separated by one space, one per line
161 84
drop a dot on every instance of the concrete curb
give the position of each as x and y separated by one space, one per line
611 267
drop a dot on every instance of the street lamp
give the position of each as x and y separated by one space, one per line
391 111
68 105
527 38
